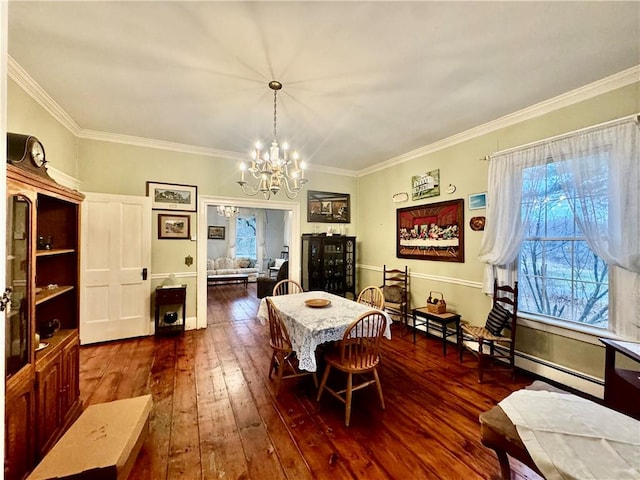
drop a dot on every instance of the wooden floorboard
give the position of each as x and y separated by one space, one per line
215 415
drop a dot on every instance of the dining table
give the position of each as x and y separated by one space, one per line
310 326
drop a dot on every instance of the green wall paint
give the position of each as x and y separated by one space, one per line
124 169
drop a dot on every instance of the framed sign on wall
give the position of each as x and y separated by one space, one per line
431 232
326 207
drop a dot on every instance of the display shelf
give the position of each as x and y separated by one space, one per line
48 294
54 251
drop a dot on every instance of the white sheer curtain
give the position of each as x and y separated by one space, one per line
507 214
603 162
261 238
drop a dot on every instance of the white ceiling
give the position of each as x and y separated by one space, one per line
364 82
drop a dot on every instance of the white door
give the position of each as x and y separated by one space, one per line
115 258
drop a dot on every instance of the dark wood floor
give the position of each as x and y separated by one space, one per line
215 417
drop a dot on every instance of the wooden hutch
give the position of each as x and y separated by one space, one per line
42 374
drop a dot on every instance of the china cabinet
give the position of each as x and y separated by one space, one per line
329 263
41 330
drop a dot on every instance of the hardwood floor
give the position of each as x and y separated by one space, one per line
215 417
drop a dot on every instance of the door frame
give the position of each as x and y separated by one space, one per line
204 202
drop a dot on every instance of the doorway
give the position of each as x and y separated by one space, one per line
204 202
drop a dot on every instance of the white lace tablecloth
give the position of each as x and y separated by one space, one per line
309 327
569 437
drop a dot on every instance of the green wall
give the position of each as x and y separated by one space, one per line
124 169
461 165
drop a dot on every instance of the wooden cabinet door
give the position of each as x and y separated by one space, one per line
18 426
70 376
49 381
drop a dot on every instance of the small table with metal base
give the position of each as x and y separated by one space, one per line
422 316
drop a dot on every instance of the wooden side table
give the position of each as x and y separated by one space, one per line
170 313
622 386
422 316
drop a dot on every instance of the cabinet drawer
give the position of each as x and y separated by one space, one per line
169 296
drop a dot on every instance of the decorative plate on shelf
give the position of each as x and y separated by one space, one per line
317 302
41 346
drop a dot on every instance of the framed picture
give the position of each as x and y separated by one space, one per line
215 233
477 201
427 185
326 207
174 226
431 232
170 196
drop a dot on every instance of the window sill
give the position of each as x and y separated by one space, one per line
566 329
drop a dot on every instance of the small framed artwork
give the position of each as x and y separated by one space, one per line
427 185
477 201
326 207
434 231
215 233
171 196
175 227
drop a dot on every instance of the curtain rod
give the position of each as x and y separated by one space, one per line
635 117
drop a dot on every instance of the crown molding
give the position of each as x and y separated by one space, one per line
612 82
608 84
35 91
159 144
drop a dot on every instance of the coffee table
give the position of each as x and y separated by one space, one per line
228 279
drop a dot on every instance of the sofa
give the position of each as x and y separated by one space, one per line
230 266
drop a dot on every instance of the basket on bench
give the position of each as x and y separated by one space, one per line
435 303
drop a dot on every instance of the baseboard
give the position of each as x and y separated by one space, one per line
559 374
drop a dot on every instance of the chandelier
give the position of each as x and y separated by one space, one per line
269 171
227 211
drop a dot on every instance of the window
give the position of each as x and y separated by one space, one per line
246 236
559 276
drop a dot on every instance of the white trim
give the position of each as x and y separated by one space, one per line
582 333
204 202
426 276
64 179
35 91
610 83
607 84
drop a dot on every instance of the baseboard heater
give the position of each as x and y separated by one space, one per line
547 370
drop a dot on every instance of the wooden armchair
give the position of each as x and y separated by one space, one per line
489 343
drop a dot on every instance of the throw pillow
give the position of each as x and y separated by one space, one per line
497 319
279 262
252 263
393 293
243 262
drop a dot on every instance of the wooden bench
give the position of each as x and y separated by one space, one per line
101 445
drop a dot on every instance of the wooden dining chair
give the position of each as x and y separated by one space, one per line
489 343
357 354
372 296
282 357
287 287
395 288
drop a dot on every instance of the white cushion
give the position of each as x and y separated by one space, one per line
279 262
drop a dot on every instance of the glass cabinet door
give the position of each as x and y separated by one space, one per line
17 332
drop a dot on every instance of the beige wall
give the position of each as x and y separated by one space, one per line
461 166
124 169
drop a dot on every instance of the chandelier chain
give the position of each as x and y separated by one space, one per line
275 115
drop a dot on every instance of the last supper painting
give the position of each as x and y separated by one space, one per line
431 232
